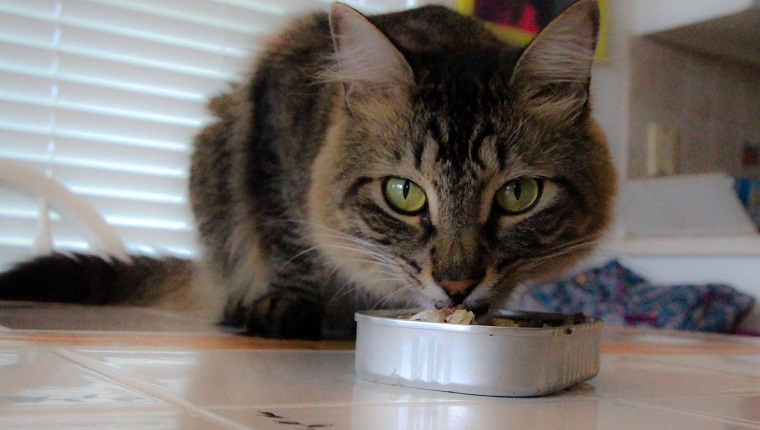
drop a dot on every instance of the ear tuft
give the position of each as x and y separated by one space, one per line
366 61
554 71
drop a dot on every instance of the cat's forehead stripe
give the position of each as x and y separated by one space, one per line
486 130
458 142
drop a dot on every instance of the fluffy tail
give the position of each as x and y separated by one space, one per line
87 279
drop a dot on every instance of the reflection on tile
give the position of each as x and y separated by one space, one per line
247 378
629 376
517 414
311 378
737 364
241 377
53 316
673 337
91 385
41 379
372 392
668 340
745 407
629 416
122 421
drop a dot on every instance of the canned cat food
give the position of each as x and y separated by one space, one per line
550 353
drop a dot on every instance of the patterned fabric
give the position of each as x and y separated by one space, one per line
620 297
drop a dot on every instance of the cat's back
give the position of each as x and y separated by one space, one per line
293 99
306 46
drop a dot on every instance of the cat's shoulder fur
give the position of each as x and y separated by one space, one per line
290 186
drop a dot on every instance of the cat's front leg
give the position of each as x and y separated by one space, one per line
285 313
292 307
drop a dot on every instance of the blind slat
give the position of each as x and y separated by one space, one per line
20 231
94 124
150 106
41 7
33 143
19 114
106 96
201 10
35 85
45 90
90 121
186 9
16 57
127 185
66 38
144 79
28 30
35 147
25 87
12 253
141 25
177 215
115 46
37 62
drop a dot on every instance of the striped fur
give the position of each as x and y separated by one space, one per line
287 185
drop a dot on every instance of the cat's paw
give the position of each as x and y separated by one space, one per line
285 315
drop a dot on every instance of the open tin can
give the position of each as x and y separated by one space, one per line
476 359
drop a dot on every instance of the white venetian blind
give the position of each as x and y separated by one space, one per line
105 96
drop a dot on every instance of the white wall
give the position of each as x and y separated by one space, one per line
610 79
610 89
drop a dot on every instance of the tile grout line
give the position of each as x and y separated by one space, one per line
337 405
147 388
721 419
657 360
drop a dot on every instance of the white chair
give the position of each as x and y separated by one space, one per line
101 236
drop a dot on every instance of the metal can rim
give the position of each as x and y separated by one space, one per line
399 318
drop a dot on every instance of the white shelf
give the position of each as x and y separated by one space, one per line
689 246
727 28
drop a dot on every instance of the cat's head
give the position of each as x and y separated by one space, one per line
453 173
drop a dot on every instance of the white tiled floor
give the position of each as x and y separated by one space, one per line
95 382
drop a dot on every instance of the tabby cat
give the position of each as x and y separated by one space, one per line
411 155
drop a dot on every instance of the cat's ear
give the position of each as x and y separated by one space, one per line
367 64
553 74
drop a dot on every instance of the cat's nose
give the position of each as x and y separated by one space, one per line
458 290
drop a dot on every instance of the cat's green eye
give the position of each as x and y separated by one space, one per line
519 196
404 196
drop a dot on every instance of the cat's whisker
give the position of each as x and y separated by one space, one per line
335 232
373 257
575 244
338 235
349 288
346 289
346 237
357 242
332 230
564 249
302 253
388 298
384 272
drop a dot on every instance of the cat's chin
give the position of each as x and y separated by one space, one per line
478 308
434 298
